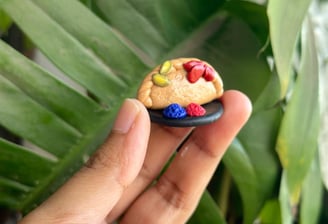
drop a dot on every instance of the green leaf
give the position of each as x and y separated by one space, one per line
288 211
257 161
15 103
285 18
20 171
269 97
46 90
297 140
76 60
207 212
312 194
236 159
124 15
20 157
109 47
270 212
254 15
5 22
319 14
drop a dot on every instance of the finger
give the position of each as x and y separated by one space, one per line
175 196
163 142
93 191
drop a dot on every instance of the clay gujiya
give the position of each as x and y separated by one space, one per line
180 87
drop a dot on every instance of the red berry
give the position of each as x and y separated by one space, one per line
195 110
209 74
196 72
190 64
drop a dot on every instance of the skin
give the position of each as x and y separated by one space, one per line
118 180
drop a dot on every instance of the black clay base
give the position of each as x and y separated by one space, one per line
213 109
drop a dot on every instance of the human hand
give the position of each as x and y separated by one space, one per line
119 179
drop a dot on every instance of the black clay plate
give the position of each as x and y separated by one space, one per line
213 109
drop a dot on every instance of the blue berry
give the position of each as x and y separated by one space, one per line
174 111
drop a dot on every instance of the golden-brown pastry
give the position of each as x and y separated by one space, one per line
182 81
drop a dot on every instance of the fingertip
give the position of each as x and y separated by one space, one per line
143 111
218 135
237 105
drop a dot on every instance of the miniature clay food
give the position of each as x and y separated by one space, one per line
195 110
181 81
174 111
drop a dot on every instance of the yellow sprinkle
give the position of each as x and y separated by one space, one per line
165 68
160 80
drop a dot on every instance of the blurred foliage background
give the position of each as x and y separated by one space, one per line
274 51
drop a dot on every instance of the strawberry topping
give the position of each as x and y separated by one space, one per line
197 69
209 74
195 73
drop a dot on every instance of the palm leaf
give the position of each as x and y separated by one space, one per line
48 113
5 22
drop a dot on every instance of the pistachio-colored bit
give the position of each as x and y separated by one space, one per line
160 80
165 68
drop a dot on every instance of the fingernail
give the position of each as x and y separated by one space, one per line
126 116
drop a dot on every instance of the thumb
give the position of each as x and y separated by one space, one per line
101 182
123 152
